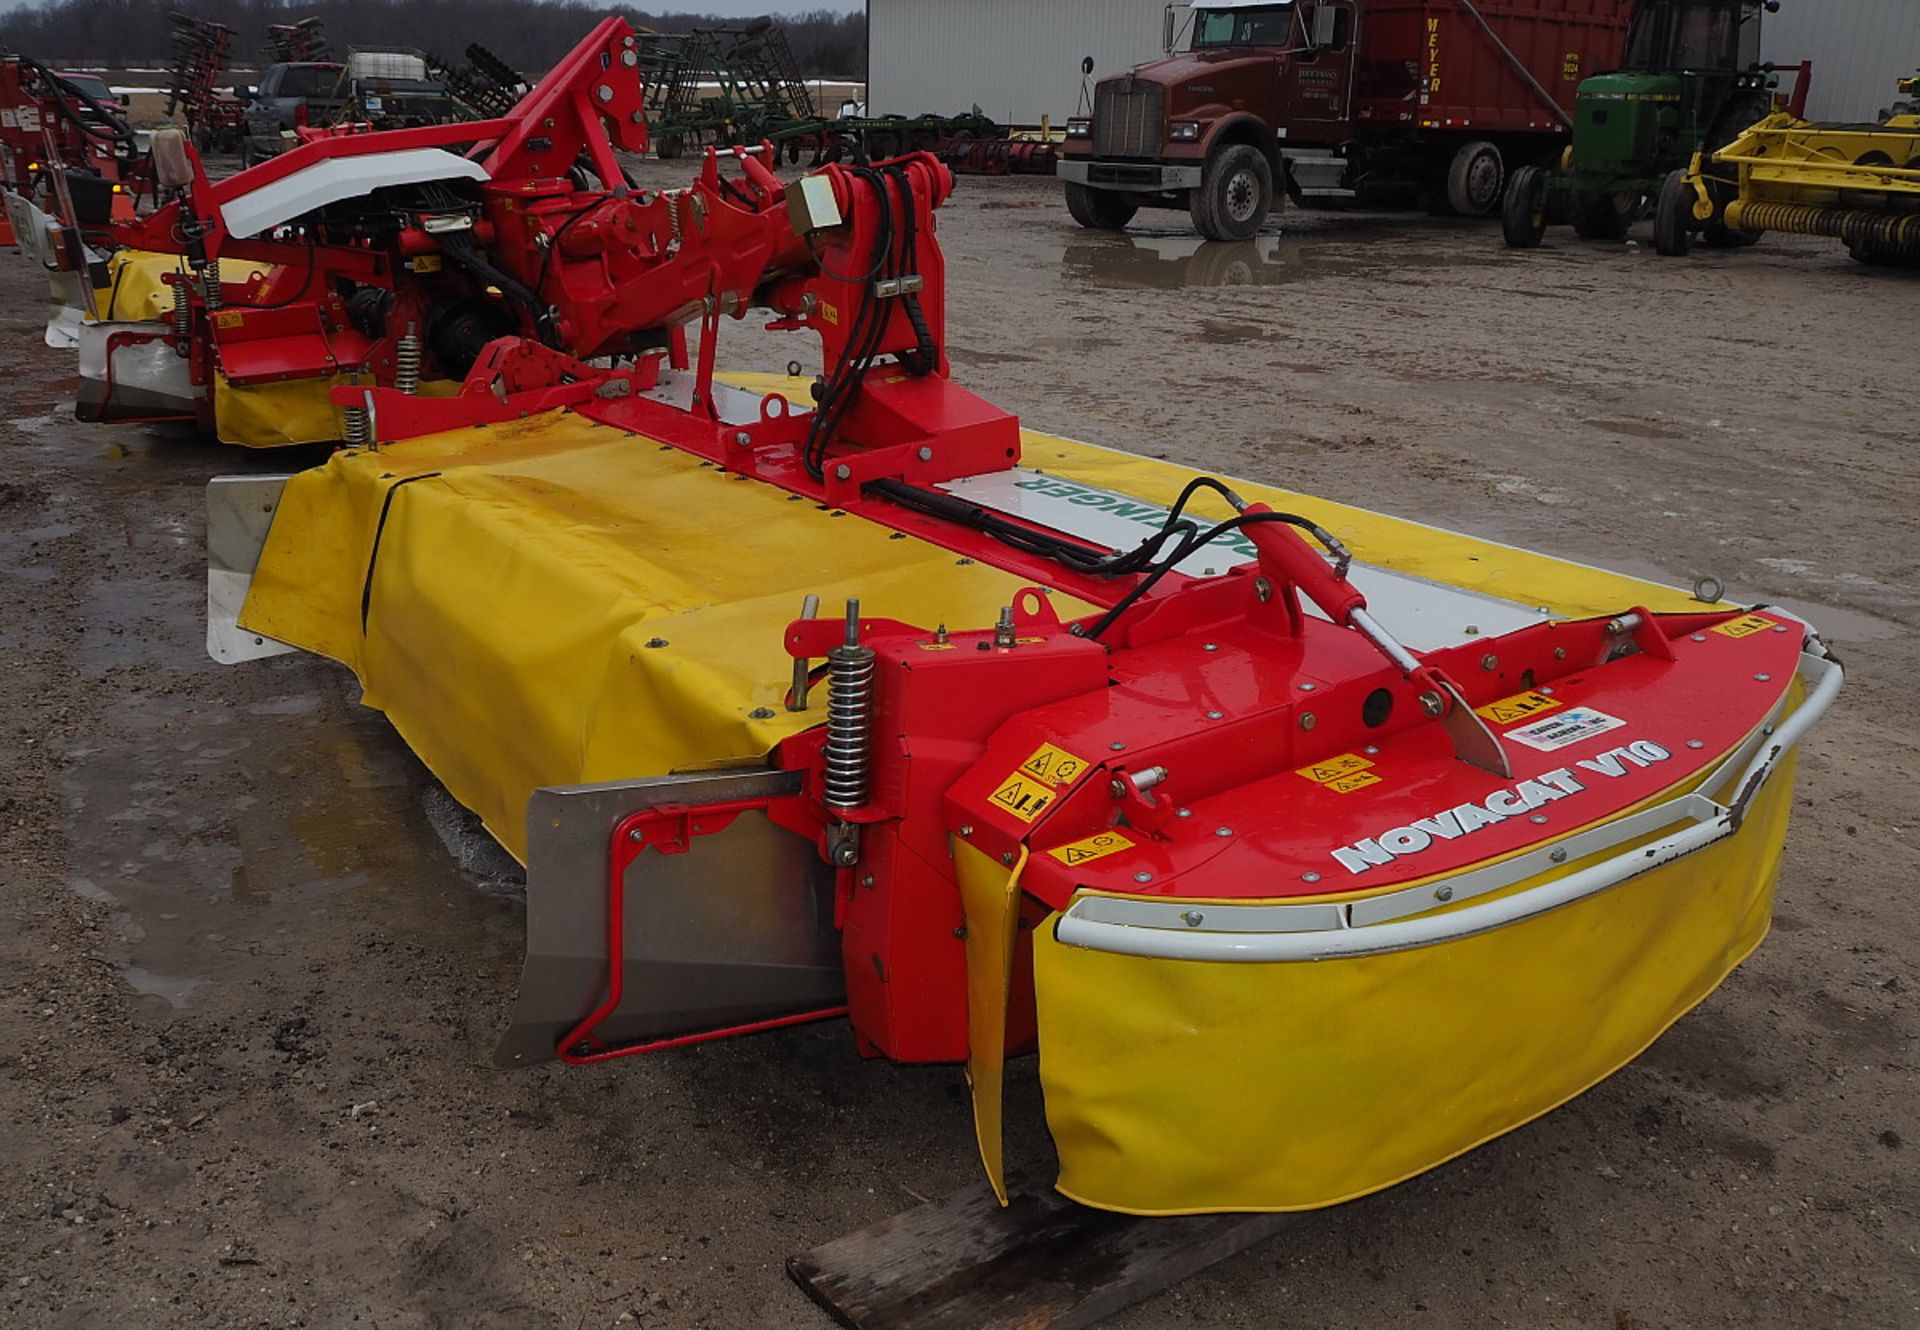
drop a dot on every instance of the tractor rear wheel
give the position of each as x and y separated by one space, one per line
1523 208
1673 216
1474 178
1099 209
1235 194
1599 216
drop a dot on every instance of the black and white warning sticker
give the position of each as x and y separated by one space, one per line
1569 727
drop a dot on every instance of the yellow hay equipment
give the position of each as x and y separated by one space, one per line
1857 183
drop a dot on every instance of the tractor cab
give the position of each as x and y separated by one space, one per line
1687 65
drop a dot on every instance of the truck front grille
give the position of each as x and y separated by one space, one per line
1126 120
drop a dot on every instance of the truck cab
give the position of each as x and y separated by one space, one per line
1156 130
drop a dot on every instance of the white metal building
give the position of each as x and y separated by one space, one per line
1858 48
1019 60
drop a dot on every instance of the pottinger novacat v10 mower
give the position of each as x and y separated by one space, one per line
1309 847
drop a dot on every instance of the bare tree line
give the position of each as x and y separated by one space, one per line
528 34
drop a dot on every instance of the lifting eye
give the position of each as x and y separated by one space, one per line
1375 710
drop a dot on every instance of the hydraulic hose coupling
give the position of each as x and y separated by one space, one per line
849 748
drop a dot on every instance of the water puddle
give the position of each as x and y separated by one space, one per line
1154 261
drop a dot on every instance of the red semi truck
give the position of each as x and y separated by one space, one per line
1328 98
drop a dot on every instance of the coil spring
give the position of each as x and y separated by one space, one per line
359 428
406 362
849 746
182 318
1888 232
210 287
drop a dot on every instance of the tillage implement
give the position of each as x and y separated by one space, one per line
1308 847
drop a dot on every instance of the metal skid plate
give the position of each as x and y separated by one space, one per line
129 371
239 513
736 929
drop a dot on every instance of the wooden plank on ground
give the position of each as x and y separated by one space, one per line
1044 1263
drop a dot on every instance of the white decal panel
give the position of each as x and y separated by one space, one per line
1569 727
1424 615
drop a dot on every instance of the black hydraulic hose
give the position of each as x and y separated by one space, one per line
65 92
1195 543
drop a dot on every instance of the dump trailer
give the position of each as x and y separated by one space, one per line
1325 99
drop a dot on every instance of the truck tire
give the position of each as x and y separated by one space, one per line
1523 208
1474 178
1602 216
1235 194
1099 209
1673 216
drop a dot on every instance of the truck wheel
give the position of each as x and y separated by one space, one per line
668 146
1099 209
1599 216
1673 216
1235 194
1473 179
1523 208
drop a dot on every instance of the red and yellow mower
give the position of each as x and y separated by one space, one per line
1309 847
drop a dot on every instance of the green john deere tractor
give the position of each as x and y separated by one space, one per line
1689 78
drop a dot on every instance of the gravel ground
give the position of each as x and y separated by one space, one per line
252 960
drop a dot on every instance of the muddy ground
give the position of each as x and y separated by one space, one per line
252 960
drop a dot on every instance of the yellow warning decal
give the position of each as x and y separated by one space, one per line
936 646
1053 765
1744 627
425 263
228 318
1089 848
1518 707
1331 769
1023 796
1359 780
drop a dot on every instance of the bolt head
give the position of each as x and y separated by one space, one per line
1559 653
842 472
1432 705
1763 678
1538 819
925 454
1223 831
1116 746
1308 720
1193 918
1263 589
1143 877
965 831
1696 743
1308 687
1559 856
1118 789
1489 662
1309 877
742 438
1215 715
1183 812
636 835
761 713
1209 646
1443 893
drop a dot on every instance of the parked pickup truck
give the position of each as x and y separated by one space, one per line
291 95
1324 99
